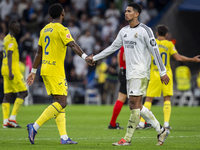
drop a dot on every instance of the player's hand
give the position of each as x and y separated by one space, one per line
30 79
165 79
89 60
11 76
196 58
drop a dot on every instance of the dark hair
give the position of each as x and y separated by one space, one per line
136 7
162 30
55 10
12 23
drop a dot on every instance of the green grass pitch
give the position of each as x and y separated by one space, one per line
88 125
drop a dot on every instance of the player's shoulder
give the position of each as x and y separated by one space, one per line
145 29
9 38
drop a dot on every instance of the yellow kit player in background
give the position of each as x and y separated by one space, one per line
155 87
12 77
52 46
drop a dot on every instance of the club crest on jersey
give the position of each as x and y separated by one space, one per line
68 36
153 42
136 35
10 45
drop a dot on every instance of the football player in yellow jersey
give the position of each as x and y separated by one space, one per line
52 46
155 87
13 79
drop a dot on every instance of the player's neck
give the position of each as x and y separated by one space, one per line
12 33
133 23
160 38
58 20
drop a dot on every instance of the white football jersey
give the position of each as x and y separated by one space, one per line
139 43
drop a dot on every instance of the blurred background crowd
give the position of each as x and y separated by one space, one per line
93 24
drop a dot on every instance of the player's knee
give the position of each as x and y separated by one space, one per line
23 94
63 104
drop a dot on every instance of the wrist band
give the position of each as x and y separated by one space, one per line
84 56
33 70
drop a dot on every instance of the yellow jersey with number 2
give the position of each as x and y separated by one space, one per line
53 38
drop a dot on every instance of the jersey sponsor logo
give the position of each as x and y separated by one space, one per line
136 35
10 45
153 42
68 36
48 62
129 44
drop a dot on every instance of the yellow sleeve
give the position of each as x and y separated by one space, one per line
11 45
40 42
173 49
65 36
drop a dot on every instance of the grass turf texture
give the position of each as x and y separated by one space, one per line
88 125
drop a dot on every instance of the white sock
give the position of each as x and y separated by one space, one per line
132 124
36 126
166 124
64 137
141 124
150 118
5 121
12 117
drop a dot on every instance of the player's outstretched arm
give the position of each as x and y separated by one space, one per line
31 77
165 79
179 57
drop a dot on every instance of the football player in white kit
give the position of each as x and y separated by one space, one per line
139 43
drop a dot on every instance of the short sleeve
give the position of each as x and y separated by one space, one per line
39 41
65 36
11 45
173 49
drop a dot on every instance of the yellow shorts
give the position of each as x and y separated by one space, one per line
14 86
155 88
55 85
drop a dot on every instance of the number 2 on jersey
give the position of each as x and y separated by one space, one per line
47 39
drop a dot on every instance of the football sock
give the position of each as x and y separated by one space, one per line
132 124
6 111
17 105
61 124
147 105
116 110
167 112
150 118
51 111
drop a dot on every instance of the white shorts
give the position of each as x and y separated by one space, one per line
137 86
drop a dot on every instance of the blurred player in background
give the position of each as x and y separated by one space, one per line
52 46
122 95
155 87
12 77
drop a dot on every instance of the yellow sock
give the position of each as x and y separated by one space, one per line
51 111
5 110
147 105
61 122
167 111
17 105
